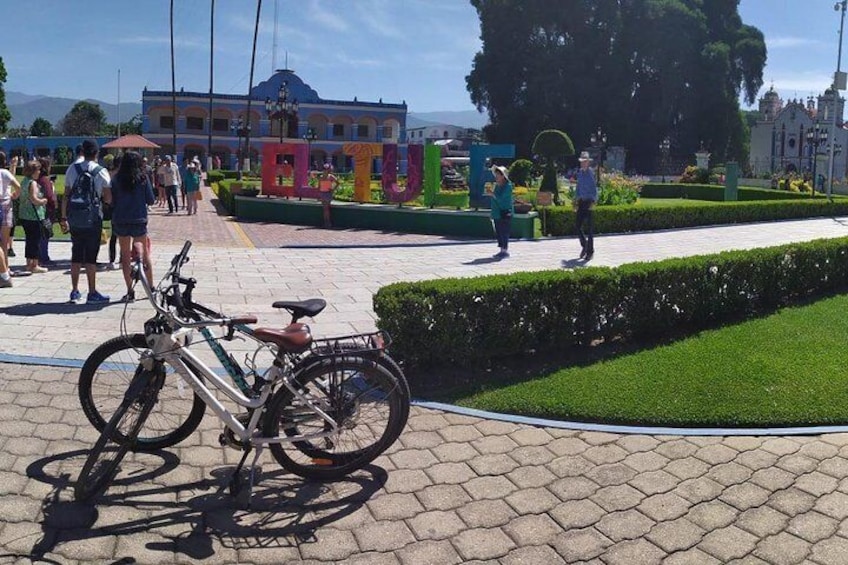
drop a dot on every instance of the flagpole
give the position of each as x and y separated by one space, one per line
119 103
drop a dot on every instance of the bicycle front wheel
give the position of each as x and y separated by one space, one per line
118 436
105 377
368 403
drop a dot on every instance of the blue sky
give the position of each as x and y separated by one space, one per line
414 50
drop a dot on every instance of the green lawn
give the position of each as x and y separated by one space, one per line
790 368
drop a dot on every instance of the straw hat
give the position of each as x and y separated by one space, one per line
584 156
500 169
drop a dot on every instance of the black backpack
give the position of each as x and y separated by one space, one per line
83 201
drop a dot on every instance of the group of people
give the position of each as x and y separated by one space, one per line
173 184
584 201
92 193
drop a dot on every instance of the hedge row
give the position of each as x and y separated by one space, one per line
560 220
715 193
461 322
225 195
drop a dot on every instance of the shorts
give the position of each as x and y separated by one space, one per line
85 244
6 217
129 230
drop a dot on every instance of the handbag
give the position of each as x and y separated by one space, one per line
46 228
198 195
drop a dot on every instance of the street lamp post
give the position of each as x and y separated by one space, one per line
310 136
240 129
665 148
282 108
816 137
599 143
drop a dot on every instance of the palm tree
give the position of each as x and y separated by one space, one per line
250 87
173 84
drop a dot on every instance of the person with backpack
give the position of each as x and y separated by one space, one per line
86 184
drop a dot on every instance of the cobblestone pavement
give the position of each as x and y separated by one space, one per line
454 489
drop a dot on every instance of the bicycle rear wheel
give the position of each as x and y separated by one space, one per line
368 403
118 436
104 379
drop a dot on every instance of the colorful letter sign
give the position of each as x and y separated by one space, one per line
480 175
271 170
363 154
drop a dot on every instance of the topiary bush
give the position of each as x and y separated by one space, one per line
519 172
552 145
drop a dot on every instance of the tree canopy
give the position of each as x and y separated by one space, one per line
41 127
5 115
640 70
84 118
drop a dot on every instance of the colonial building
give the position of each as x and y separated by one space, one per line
326 125
456 141
796 136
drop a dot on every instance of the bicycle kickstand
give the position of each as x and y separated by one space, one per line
253 467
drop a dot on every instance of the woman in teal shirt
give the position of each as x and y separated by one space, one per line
31 213
502 209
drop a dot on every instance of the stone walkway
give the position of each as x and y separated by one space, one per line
453 489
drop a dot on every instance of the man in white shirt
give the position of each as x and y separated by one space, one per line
170 175
85 240
10 188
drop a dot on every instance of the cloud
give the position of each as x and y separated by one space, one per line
375 16
325 17
789 42
162 40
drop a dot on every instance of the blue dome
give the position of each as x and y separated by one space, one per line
298 90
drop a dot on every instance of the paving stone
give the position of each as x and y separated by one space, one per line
569 466
773 479
757 459
817 484
577 514
675 535
483 544
573 488
460 433
482 488
531 436
534 555
413 459
494 444
581 545
423 440
531 477
830 551
486 513
637 443
797 464
636 551
407 480
450 473
729 473
780 446
371 558
626 525
429 553
568 446
81 545
838 440
598 438
383 536
676 449
687 468
429 421
712 515
662 507
394 506
454 452
654 482
745 496
699 490
743 443
762 521
692 556
792 501
835 467
436 525
532 530
615 498
819 450
834 505
728 543
330 545
497 464
611 474
646 461
443 497
601 454
532 455
812 526
532 501
716 454
496 427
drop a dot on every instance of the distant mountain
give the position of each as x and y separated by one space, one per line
466 119
25 108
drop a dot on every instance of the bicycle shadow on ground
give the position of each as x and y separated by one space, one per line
285 510
44 308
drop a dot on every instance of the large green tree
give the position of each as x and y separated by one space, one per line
41 127
640 70
5 115
84 118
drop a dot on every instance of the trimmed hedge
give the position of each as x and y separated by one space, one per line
715 193
560 220
462 322
214 176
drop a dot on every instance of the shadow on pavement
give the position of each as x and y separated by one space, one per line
285 510
42 308
484 260
573 263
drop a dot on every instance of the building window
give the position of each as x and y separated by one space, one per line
166 122
362 130
220 124
338 130
445 134
194 123
387 131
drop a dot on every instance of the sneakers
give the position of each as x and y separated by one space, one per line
128 297
502 254
38 269
75 295
112 266
96 298
6 283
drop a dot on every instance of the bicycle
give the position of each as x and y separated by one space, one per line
325 407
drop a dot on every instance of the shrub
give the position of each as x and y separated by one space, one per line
214 176
519 172
695 175
715 193
463 321
617 188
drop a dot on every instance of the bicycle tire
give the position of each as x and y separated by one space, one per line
104 378
138 402
383 360
336 385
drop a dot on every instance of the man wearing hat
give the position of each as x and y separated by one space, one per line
170 178
501 209
585 198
